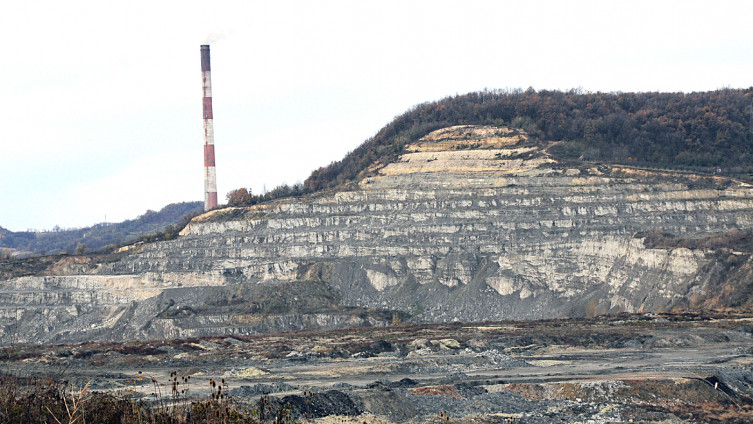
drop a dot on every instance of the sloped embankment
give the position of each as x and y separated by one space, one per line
470 223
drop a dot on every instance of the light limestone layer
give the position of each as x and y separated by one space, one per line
470 223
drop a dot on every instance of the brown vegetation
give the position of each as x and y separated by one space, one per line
52 400
244 197
735 240
731 284
705 132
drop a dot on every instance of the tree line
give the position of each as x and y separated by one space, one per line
244 197
702 131
161 224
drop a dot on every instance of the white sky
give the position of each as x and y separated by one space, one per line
100 101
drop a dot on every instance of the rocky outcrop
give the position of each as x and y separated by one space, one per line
470 223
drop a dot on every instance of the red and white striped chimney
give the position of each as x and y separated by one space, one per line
210 174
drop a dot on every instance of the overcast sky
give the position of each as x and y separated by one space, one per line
100 101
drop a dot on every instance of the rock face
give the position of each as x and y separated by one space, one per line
471 223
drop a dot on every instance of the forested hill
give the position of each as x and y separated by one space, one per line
703 132
99 235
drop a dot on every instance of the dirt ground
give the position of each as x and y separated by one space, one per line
666 368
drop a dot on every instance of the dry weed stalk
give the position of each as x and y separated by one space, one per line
76 408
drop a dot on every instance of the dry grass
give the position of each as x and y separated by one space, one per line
26 400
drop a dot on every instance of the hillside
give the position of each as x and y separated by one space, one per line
468 223
100 235
708 132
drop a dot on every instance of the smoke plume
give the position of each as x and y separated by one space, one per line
214 37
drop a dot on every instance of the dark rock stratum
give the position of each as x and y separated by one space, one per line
469 223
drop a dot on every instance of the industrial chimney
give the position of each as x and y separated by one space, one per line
210 174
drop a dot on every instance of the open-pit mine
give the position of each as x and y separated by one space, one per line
467 224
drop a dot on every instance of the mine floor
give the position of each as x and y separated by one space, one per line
627 368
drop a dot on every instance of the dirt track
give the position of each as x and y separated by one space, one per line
645 368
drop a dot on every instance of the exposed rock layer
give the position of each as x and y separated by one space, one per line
472 223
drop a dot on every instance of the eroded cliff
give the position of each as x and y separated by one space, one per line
470 223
